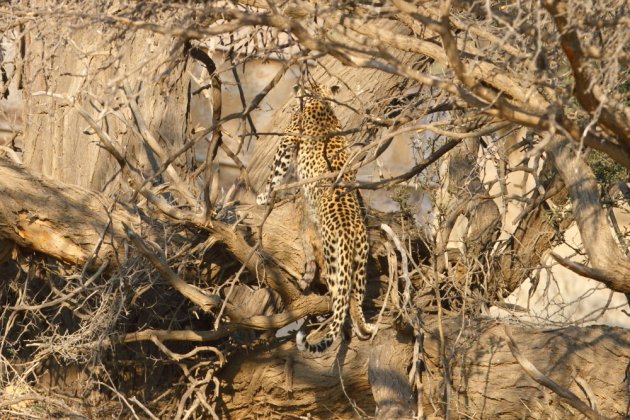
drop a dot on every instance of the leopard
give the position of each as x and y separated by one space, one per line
313 140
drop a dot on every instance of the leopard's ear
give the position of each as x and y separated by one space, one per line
334 89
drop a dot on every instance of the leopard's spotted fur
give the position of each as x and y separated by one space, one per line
336 212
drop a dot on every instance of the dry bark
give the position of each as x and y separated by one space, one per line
56 142
609 264
282 380
487 381
74 224
64 221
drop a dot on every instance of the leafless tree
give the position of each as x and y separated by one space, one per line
140 280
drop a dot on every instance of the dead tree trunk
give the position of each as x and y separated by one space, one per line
60 143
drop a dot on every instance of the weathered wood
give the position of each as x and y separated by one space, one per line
283 380
608 260
57 143
389 361
487 381
71 224
67 222
59 219
67 67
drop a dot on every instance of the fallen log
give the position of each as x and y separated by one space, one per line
485 381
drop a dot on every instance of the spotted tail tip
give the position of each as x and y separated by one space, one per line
262 199
300 340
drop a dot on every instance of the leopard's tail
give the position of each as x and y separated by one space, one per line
339 269
340 309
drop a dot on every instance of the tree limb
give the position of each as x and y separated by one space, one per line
606 258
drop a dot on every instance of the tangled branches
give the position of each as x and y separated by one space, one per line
137 264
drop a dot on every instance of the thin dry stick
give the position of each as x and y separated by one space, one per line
164 335
595 273
45 400
182 401
359 412
237 277
547 382
416 373
63 298
143 407
584 386
404 263
201 393
122 398
305 305
204 301
393 279
217 140
442 347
